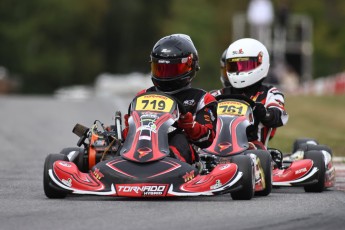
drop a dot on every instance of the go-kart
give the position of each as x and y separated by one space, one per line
141 165
310 165
235 115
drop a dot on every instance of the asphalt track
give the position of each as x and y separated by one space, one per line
32 127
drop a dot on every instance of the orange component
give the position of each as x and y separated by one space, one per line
92 152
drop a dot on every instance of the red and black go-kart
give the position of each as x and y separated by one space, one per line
235 115
142 166
310 165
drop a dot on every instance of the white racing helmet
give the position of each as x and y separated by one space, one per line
247 62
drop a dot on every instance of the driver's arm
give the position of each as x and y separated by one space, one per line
201 127
276 115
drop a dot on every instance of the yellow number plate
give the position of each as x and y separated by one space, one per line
233 108
153 102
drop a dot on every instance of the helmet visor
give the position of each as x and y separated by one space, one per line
242 64
164 68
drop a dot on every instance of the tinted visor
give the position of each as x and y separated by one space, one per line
168 68
242 64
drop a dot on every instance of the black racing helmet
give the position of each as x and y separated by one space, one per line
174 62
223 76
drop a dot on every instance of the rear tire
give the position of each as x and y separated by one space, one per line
309 147
319 162
49 190
245 165
266 164
298 143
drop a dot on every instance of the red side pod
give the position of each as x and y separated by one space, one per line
219 176
69 175
297 169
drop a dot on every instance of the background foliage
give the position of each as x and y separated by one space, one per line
52 43
325 123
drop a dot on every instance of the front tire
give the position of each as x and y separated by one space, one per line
266 164
319 162
81 161
48 184
245 165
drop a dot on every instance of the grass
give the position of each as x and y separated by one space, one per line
318 117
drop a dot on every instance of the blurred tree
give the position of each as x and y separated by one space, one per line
209 25
328 37
195 19
51 43
54 43
131 28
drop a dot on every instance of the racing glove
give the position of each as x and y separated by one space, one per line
259 111
269 117
126 129
193 129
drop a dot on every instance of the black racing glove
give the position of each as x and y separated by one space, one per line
260 111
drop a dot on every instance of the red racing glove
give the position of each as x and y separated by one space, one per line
193 129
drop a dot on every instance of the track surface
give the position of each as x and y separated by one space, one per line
32 127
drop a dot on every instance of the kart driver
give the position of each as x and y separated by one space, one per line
174 63
247 64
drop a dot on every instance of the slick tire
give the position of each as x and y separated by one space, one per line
319 162
266 164
81 160
48 184
309 147
245 165
298 143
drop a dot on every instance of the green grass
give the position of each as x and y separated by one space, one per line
318 117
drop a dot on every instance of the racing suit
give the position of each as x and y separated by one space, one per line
273 101
196 129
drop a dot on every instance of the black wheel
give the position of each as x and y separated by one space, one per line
302 141
309 147
48 184
80 160
319 162
245 165
266 165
